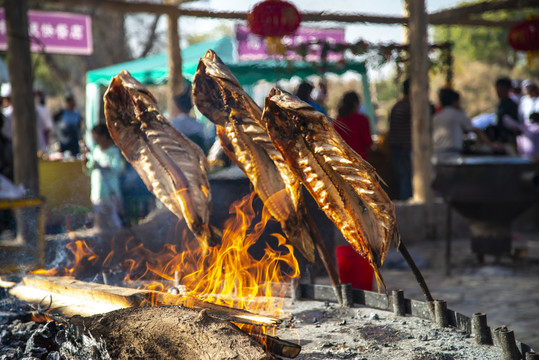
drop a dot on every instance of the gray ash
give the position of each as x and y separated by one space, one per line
23 338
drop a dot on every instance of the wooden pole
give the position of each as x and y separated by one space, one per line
480 329
420 108
399 308
175 77
509 345
440 311
24 114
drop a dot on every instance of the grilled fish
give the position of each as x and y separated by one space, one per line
172 166
220 97
345 186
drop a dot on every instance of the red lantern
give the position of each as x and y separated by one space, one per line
525 36
274 18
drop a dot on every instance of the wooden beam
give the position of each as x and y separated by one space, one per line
465 11
124 6
420 109
173 10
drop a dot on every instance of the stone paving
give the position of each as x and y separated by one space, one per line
507 291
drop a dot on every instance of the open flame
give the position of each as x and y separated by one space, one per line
226 274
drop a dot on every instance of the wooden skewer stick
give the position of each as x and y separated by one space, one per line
324 255
278 346
415 270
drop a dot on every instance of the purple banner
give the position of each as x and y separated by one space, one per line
253 47
55 32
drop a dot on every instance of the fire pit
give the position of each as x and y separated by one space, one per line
373 327
490 192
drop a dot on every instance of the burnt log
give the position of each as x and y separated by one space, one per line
170 332
74 297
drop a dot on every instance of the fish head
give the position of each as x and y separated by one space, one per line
128 107
289 118
213 89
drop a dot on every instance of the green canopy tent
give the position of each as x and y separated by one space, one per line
153 70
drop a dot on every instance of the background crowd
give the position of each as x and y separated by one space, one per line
512 130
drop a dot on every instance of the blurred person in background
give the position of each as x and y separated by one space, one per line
105 164
187 124
505 128
528 141
304 92
516 90
529 104
68 127
449 126
44 121
400 142
7 111
353 127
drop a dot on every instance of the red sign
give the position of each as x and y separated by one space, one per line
55 32
525 36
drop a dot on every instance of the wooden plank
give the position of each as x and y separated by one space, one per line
120 297
459 321
62 304
418 309
317 292
115 295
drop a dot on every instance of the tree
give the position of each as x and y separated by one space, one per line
484 44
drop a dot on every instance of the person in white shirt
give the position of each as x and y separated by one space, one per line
44 121
449 127
7 111
529 103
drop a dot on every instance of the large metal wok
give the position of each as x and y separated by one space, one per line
490 191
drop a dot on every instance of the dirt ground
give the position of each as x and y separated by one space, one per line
506 290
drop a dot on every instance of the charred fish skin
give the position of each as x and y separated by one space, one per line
172 166
345 186
220 97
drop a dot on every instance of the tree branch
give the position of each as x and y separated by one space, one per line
148 45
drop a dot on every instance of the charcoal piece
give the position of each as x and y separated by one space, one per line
60 337
38 339
5 337
55 355
37 352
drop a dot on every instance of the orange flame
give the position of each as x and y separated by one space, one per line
40 318
226 274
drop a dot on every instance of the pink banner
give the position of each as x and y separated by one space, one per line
55 32
253 47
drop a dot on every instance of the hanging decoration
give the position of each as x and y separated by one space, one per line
379 54
274 19
525 37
